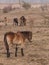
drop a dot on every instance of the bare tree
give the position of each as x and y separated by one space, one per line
20 3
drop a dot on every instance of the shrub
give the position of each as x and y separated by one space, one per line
26 5
7 9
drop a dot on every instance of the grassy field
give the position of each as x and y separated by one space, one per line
36 52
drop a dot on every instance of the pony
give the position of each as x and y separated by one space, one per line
14 39
22 21
15 21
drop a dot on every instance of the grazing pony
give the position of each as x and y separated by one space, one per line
15 21
15 39
22 21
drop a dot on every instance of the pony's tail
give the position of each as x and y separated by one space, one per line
5 41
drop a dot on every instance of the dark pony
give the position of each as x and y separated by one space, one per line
22 21
15 21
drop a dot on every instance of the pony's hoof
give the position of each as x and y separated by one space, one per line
8 55
22 54
15 55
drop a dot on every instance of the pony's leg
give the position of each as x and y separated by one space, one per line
14 23
17 23
21 23
8 54
16 51
25 23
7 48
22 52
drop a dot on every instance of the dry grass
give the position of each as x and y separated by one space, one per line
37 52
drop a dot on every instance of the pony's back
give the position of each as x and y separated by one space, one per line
19 38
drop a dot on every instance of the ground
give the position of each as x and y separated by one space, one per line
37 51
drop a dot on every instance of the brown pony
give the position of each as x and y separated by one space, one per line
14 38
